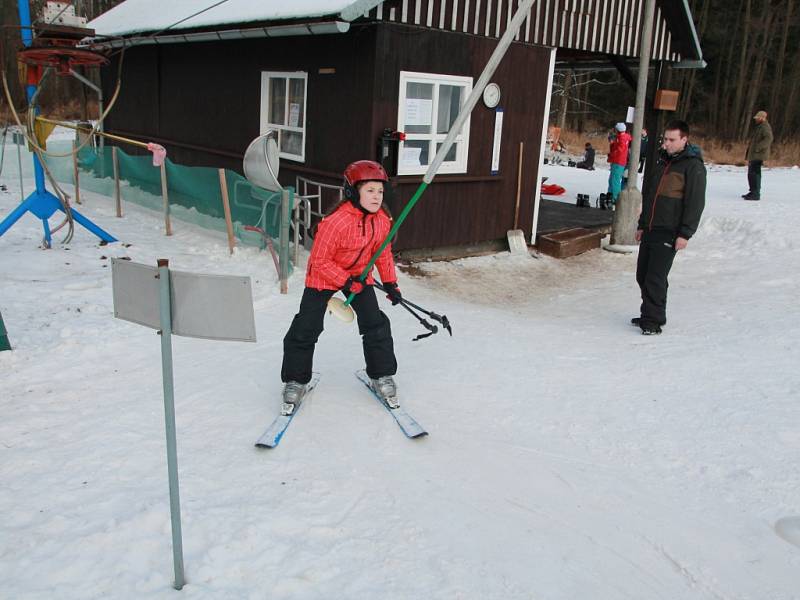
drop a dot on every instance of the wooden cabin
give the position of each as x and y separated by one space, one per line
338 83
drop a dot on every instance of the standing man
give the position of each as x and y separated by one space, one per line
672 204
618 157
757 154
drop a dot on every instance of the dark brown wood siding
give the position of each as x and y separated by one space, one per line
204 107
205 97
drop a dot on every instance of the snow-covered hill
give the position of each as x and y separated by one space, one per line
570 458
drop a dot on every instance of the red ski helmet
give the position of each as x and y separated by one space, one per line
364 170
361 170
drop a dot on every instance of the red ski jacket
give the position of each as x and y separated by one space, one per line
346 241
618 153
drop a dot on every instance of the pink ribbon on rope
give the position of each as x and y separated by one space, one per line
159 153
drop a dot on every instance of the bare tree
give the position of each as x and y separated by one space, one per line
777 109
744 59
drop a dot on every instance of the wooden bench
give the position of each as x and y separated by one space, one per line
569 242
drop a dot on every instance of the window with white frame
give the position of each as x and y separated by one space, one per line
283 108
428 107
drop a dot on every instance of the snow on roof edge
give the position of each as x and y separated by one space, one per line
141 16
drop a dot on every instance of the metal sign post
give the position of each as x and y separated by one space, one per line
165 310
217 307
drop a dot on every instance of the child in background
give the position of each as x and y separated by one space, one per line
618 157
345 242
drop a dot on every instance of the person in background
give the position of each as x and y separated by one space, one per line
757 154
346 240
618 157
588 158
672 204
643 146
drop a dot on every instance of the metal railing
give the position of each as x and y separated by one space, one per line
308 207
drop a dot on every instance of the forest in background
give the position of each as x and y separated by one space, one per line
748 45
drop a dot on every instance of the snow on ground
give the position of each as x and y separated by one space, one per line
569 457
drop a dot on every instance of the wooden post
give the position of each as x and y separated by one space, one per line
75 178
117 194
165 194
519 187
286 199
223 188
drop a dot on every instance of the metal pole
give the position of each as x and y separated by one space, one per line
165 305
641 92
523 9
75 176
99 91
629 203
488 71
19 138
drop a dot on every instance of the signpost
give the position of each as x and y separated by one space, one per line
215 307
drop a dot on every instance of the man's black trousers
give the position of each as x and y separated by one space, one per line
754 177
656 253
373 325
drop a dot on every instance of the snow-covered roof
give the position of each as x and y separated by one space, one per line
137 16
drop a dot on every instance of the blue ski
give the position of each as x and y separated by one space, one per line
272 436
410 427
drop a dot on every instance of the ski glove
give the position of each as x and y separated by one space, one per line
352 286
393 292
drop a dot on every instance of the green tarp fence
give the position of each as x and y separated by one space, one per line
194 192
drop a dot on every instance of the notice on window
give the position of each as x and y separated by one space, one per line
498 134
419 111
294 114
409 157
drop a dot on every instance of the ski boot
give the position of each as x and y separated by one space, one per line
386 388
650 329
293 393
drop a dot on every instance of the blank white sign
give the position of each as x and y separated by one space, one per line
214 307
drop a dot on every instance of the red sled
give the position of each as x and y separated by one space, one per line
551 189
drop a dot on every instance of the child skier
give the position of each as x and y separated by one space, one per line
345 242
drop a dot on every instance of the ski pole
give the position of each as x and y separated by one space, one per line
408 306
430 327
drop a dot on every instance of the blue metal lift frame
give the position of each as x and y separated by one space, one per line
42 203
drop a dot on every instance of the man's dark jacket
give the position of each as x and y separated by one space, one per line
673 200
760 142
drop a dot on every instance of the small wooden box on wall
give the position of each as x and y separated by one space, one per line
666 100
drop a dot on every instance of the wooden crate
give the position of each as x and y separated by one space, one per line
666 100
569 242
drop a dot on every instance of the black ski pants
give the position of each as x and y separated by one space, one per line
754 177
656 253
373 325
